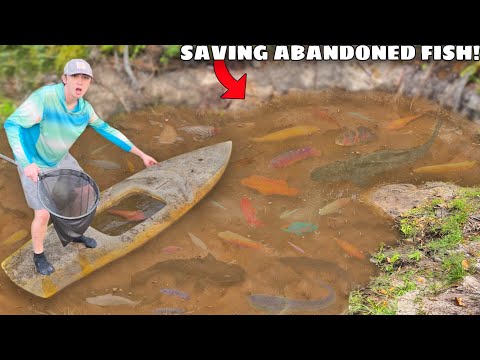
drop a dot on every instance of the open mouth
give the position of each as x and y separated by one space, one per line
78 91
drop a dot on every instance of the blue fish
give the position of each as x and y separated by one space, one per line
175 292
299 228
275 304
168 311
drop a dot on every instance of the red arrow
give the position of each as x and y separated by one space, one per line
235 88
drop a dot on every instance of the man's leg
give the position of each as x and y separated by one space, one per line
39 224
39 230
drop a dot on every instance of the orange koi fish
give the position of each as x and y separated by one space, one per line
267 186
400 123
132 215
249 212
434 169
239 240
287 133
350 249
292 156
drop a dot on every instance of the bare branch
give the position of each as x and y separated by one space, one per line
128 69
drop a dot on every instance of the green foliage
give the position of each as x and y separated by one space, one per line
366 305
415 255
25 63
133 50
471 71
107 49
65 53
408 228
453 267
380 256
171 51
7 107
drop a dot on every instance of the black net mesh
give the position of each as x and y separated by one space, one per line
71 197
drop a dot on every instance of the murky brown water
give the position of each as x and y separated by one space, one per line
285 271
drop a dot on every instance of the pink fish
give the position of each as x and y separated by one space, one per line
299 249
249 212
292 156
171 249
132 215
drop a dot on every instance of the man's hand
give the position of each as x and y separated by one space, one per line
31 171
148 160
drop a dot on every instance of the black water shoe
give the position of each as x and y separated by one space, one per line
42 265
87 241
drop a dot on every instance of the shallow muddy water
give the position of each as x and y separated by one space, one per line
315 241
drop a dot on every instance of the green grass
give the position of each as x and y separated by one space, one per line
433 236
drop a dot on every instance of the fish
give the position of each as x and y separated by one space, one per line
111 300
168 311
287 133
204 131
130 165
272 303
299 249
131 215
249 212
96 151
361 168
171 249
294 155
198 242
300 228
16 236
217 204
435 169
287 213
104 164
267 186
168 135
239 240
334 206
400 123
361 116
357 136
198 269
175 292
350 249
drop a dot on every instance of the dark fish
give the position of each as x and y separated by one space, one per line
168 311
198 269
360 169
175 292
273 303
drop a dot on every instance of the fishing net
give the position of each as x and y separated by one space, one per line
71 197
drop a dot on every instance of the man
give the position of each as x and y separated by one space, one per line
42 130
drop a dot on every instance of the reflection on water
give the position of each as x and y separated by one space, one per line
320 236
127 213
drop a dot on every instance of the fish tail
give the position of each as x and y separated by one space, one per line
434 134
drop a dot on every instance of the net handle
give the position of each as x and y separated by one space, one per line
12 161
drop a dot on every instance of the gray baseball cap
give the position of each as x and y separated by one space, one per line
78 66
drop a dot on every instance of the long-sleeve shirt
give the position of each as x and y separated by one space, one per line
42 129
